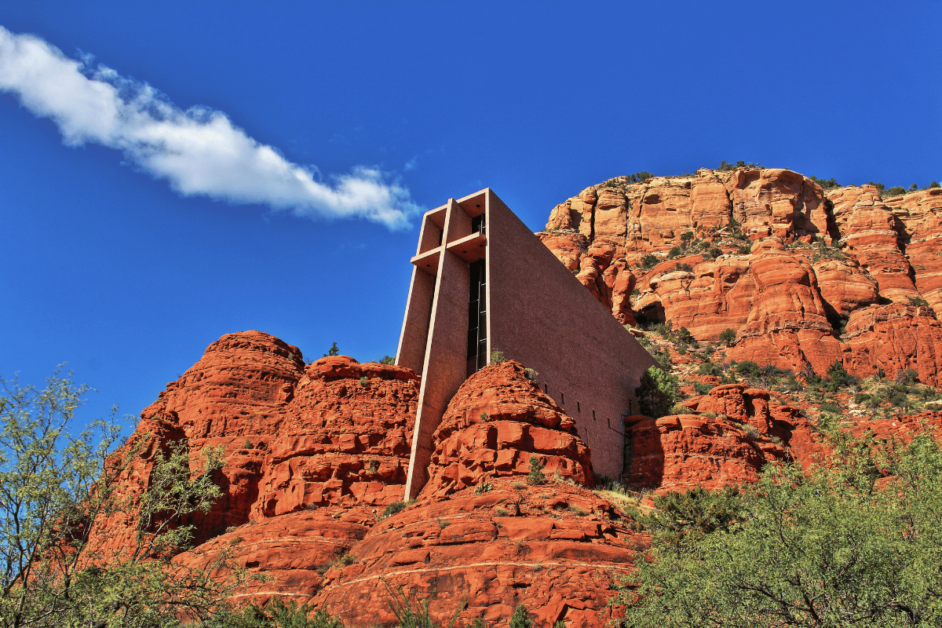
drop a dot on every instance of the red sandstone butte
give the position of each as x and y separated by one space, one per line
786 302
481 534
312 455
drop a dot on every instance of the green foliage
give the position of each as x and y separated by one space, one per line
896 190
411 611
648 261
918 302
657 392
674 252
484 487
685 267
878 186
836 378
56 481
702 389
828 184
497 357
681 519
934 184
639 177
332 351
530 374
388 359
276 614
364 380
520 618
726 167
914 187
823 548
744 249
248 444
395 508
685 238
535 476
728 336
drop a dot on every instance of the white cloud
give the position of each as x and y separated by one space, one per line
412 164
198 151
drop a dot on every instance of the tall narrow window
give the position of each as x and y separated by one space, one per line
477 315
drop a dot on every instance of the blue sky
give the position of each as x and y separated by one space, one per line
126 250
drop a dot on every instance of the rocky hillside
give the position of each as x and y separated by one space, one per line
804 277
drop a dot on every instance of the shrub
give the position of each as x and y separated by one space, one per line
728 336
388 359
829 184
394 508
530 374
657 392
806 547
708 368
685 267
248 444
497 357
674 252
332 351
715 252
918 302
364 380
907 377
744 249
535 476
685 238
520 618
484 418
829 407
751 431
702 389
648 262
934 184
896 190
484 487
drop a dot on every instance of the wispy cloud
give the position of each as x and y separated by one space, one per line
198 151
412 164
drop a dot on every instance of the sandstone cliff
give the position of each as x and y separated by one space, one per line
803 276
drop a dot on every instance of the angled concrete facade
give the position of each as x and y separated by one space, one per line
482 281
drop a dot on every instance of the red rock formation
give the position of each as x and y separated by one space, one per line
894 338
480 533
713 448
294 438
494 424
788 325
787 318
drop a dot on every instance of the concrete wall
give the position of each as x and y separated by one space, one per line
542 316
538 313
445 364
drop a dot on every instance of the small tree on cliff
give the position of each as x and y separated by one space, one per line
55 485
657 392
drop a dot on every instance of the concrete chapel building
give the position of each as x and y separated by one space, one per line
482 281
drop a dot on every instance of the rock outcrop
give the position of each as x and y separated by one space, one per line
312 454
677 249
481 533
729 435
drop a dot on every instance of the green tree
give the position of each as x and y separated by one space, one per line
728 336
520 618
55 484
388 359
332 351
657 392
849 544
535 476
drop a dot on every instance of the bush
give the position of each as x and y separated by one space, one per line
896 190
530 374
364 380
815 547
728 336
394 508
918 302
702 389
744 249
535 476
388 359
657 392
934 184
520 618
56 481
484 487
674 252
497 357
648 262
332 351
751 431
830 407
